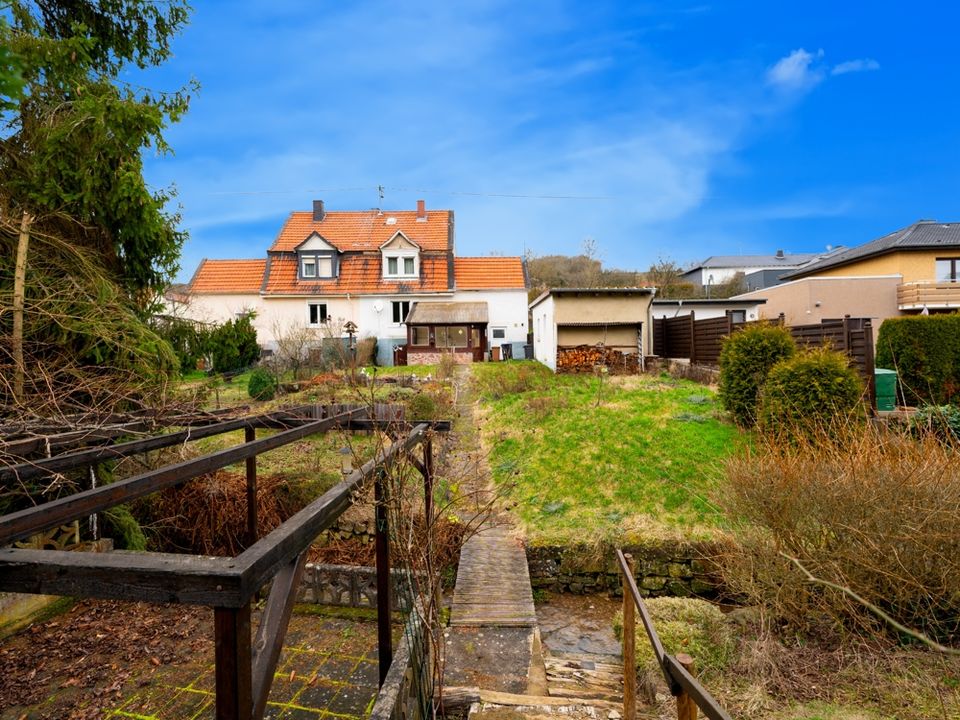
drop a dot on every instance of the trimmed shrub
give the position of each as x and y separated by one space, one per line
745 360
422 406
809 392
925 351
262 385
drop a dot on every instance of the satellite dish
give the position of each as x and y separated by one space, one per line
378 306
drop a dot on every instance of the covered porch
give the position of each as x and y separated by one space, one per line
459 328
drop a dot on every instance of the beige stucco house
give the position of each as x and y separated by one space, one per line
912 270
617 318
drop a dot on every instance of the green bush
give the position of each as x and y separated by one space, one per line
745 360
925 351
685 625
422 406
234 345
941 420
189 340
262 385
809 392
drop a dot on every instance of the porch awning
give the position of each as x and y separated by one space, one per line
447 313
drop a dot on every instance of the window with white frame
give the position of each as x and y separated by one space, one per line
400 310
498 333
400 265
316 314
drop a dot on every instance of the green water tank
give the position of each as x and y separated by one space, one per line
886 384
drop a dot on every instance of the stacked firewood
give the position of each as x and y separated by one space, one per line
587 358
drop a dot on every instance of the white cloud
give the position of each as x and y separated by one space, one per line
797 72
852 66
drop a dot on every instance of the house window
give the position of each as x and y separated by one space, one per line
316 266
499 333
316 314
948 269
421 336
400 310
451 337
400 266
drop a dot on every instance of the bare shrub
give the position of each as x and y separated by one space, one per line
872 511
447 366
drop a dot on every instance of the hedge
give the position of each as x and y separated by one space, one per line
925 352
745 359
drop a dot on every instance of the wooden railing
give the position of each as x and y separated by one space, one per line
916 295
245 661
678 670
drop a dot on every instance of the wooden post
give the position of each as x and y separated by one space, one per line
19 283
428 481
686 707
629 649
693 338
249 435
234 670
382 543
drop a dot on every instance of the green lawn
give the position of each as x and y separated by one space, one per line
589 459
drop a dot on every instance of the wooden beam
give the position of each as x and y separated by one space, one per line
148 577
273 629
22 524
260 562
250 435
70 461
231 627
382 541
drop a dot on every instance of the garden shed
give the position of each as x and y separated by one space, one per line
456 327
577 327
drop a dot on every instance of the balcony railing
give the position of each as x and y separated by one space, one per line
930 295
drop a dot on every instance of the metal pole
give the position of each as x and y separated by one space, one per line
384 629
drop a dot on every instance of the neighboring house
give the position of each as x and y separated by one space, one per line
703 308
925 255
617 318
760 271
368 267
912 270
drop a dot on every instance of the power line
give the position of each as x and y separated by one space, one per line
380 188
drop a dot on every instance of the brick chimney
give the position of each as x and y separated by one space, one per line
421 210
318 211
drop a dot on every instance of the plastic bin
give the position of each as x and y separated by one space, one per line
886 386
528 352
507 351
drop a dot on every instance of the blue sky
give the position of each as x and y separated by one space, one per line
660 130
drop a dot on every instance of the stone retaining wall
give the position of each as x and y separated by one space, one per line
677 570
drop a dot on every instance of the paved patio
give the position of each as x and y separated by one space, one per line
328 669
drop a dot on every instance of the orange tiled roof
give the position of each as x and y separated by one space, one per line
489 273
366 230
228 276
359 274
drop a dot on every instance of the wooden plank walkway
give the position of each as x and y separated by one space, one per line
493 583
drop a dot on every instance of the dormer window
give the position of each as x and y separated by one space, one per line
316 266
317 259
401 258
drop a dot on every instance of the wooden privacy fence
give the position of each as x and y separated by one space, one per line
678 670
245 664
700 340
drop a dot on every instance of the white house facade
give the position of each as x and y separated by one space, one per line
369 268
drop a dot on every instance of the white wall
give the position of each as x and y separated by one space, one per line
507 309
372 314
545 333
704 311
